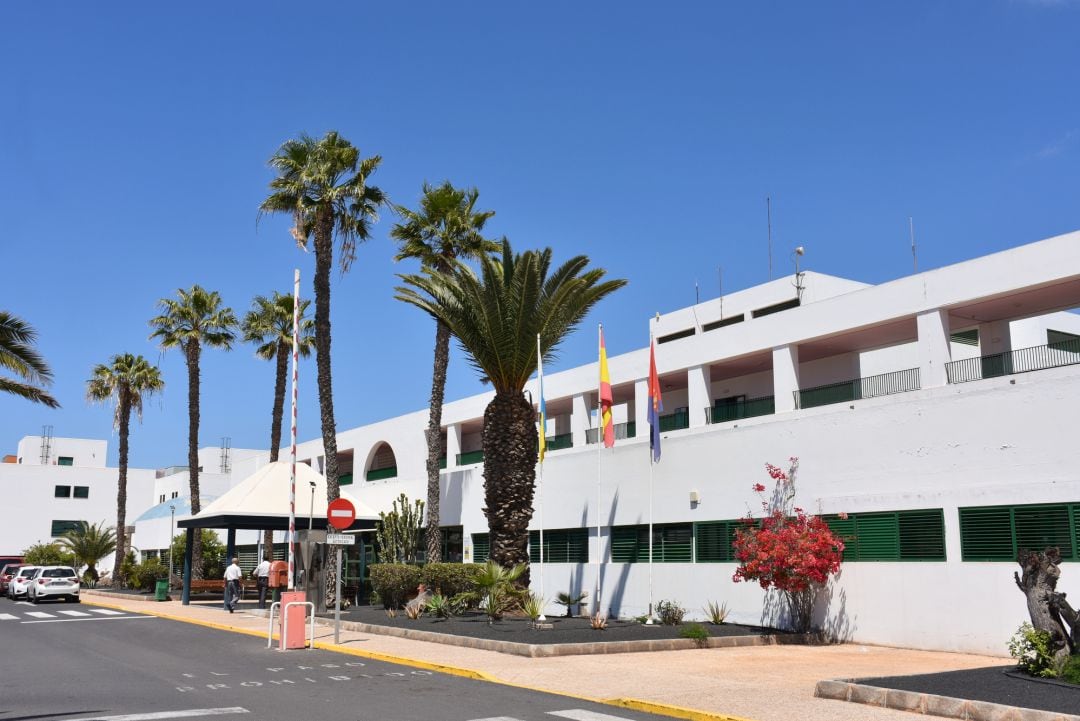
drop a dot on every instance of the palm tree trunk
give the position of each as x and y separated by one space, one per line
191 352
281 374
324 232
509 440
434 439
123 413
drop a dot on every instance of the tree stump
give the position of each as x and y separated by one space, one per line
1049 610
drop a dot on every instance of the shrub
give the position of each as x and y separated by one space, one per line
788 550
716 613
570 600
494 589
1031 649
144 576
533 605
670 613
449 579
1070 673
440 606
47 554
394 582
696 632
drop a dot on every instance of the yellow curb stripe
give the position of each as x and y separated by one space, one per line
629 703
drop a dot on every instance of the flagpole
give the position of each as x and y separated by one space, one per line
599 456
292 472
540 484
649 621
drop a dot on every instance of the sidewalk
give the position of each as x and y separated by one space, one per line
770 683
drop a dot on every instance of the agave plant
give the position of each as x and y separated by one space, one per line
532 604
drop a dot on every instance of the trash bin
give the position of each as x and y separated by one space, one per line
161 591
275 595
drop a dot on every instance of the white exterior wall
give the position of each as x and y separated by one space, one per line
84 452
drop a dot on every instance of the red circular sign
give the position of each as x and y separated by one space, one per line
340 513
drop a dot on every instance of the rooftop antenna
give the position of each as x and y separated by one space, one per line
720 276
697 293
46 444
911 231
795 255
768 217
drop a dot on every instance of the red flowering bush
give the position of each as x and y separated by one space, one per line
788 550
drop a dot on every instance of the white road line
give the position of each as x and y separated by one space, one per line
188 713
7 617
93 618
497 718
40 614
107 612
74 613
577 714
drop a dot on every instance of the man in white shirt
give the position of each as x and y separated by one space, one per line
262 580
233 574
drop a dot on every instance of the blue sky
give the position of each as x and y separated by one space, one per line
644 135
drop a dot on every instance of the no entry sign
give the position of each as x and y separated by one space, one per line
340 513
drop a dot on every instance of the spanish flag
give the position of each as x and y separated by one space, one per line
606 425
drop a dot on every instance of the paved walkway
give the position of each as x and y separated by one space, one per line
772 683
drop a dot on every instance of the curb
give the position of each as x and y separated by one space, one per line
932 704
662 709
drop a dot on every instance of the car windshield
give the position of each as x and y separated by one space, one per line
10 570
26 571
58 573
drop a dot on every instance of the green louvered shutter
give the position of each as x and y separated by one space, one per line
922 535
986 534
878 538
1076 529
481 547
577 545
845 529
671 543
1039 527
713 540
626 544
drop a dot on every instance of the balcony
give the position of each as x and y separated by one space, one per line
380 474
742 407
470 457
557 443
675 421
858 388
1024 360
622 431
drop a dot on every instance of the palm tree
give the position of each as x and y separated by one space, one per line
193 320
497 316
17 355
446 227
269 324
89 544
126 381
322 184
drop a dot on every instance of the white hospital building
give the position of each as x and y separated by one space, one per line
937 411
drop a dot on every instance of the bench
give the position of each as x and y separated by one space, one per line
218 585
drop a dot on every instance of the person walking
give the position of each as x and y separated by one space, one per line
233 574
262 580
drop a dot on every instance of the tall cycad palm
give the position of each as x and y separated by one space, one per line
194 319
269 325
497 316
18 356
125 381
89 543
323 185
446 227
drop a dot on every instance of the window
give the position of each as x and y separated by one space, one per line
82 491
775 308
675 336
672 543
175 494
65 461
59 528
1060 340
892 536
999 533
453 542
62 492
568 545
714 541
966 337
161 498
481 546
344 479
722 323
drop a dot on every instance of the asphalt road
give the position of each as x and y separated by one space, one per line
76 662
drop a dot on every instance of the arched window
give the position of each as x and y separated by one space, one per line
382 464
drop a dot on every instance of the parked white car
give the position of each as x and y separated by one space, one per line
20 581
54 582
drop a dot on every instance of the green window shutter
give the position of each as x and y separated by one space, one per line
986 534
1076 528
673 543
82 491
59 528
629 544
966 337
922 535
878 537
1038 527
65 461
62 492
845 529
714 541
345 479
480 547
569 545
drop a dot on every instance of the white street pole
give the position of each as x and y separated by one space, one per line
172 534
599 456
337 601
540 484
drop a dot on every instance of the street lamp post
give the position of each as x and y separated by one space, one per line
311 515
172 533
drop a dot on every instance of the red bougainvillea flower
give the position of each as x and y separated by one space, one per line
759 488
